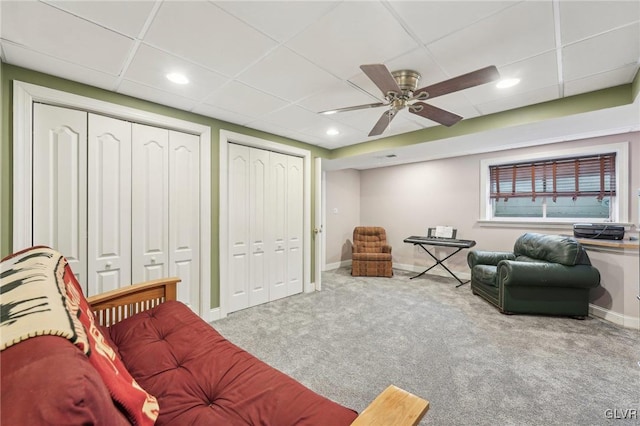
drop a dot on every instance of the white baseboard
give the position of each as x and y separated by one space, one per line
215 314
337 265
614 317
403 267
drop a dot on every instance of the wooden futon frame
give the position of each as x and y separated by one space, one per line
392 407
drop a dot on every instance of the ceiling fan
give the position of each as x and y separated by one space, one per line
400 91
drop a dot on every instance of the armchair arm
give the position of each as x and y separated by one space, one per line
479 257
543 274
386 249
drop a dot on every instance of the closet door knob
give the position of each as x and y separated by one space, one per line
108 265
153 260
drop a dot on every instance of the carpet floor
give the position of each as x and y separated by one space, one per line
474 365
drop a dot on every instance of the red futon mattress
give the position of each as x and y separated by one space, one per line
199 377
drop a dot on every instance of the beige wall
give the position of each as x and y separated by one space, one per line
408 199
342 215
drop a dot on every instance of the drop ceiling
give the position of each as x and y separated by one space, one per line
273 66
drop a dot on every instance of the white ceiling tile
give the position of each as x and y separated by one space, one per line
600 81
582 19
605 52
206 34
352 34
320 130
288 75
431 20
534 73
150 66
126 17
242 74
222 114
29 59
518 32
520 100
293 118
43 28
278 19
242 99
337 95
152 94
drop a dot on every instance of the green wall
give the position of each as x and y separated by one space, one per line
8 73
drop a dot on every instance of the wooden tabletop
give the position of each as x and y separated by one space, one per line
622 244
393 407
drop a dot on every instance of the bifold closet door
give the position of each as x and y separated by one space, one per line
150 203
60 184
109 204
184 216
285 225
295 225
248 178
265 226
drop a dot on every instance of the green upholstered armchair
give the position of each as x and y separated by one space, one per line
545 274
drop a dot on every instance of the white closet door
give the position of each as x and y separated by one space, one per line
278 226
295 180
60 184
109 204
258 203
239 239
150 203
184 216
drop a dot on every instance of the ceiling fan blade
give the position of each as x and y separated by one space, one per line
383 122
380 75
352 108
465 81
434 113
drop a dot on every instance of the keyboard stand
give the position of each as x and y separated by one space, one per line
458 244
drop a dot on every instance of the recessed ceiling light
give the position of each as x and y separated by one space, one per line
177 78
333 132
507 82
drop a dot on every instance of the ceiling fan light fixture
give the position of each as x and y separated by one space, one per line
505 83
178 78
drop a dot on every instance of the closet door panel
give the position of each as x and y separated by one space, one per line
150 202
109 204
239 239
184 216
60 184
258 198
278 226
295 180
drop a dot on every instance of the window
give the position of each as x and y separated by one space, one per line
582 185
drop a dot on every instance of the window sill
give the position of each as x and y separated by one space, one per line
539 224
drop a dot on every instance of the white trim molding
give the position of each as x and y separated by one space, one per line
614 317
26 94
227 137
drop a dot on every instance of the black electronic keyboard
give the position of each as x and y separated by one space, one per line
436 241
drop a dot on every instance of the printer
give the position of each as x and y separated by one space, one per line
598 231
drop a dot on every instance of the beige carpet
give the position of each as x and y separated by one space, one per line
475 365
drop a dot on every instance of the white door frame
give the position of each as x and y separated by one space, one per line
227 137
25 94
318 230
